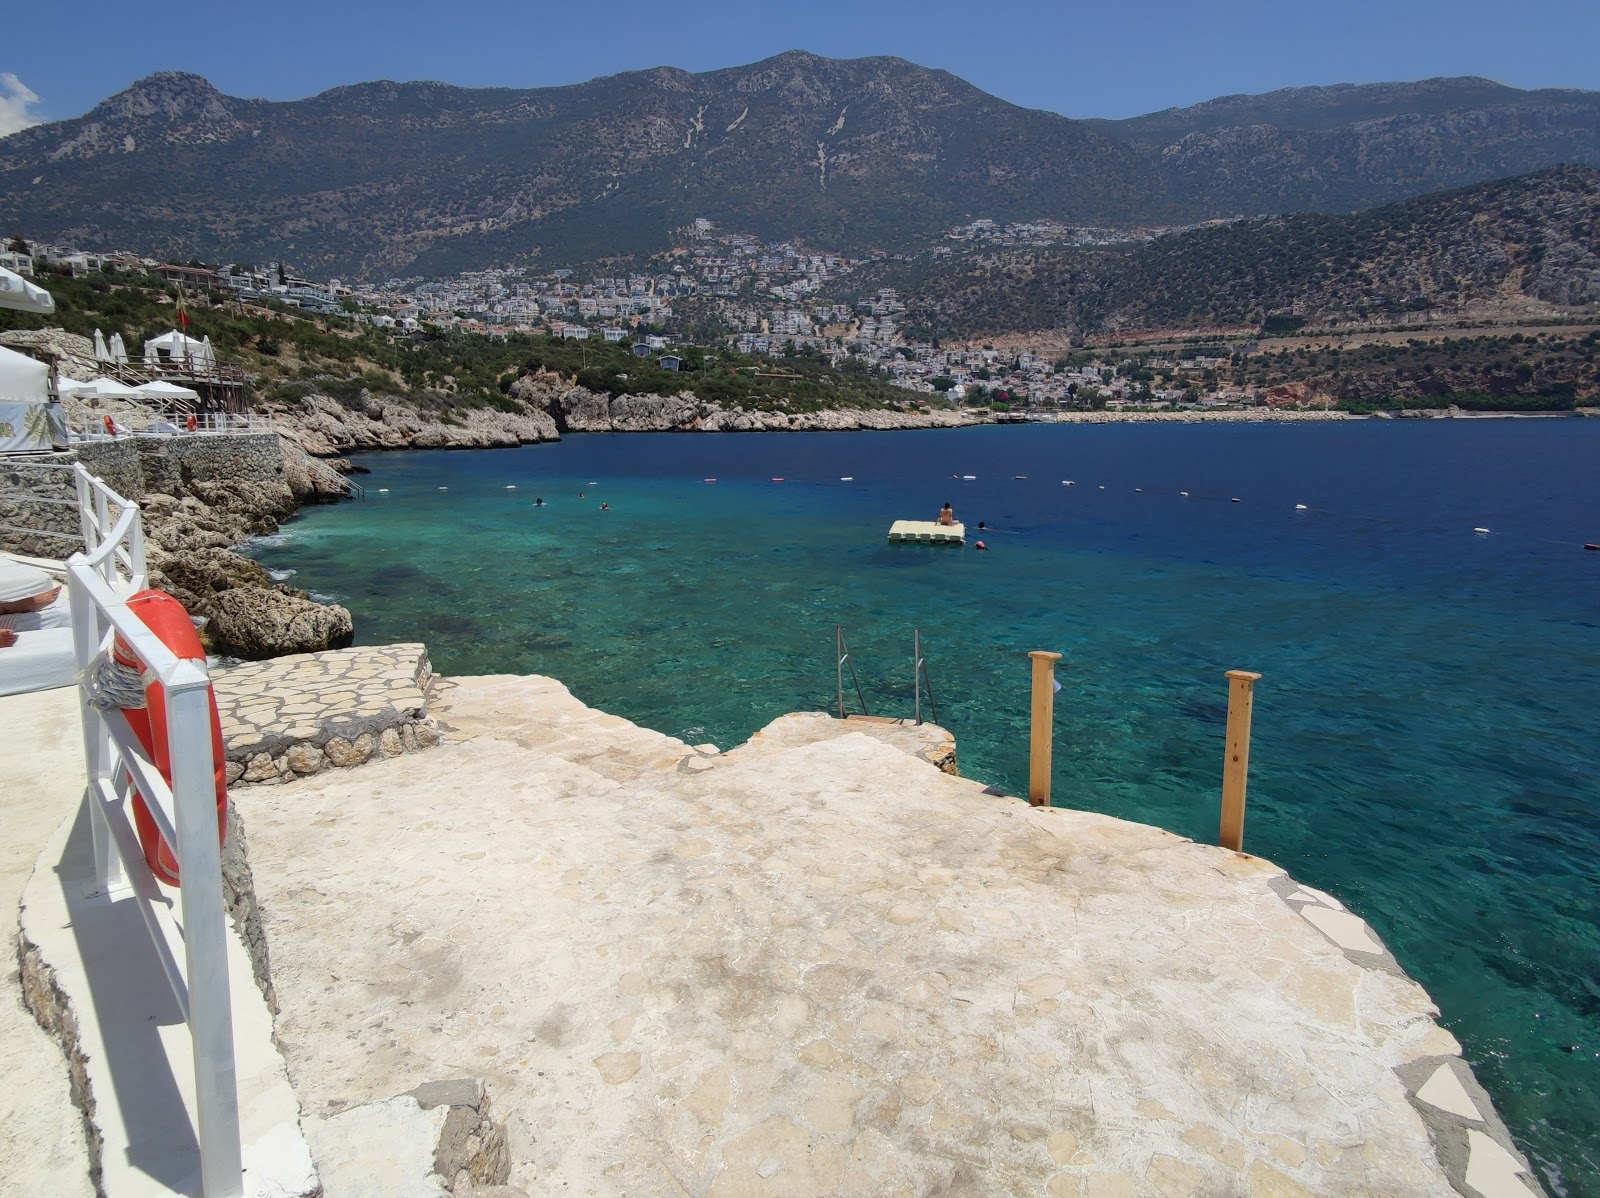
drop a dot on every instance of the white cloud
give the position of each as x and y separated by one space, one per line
16 97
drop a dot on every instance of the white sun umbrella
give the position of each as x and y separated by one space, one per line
206 352
16 292
119 352
165 392
104 388
101 353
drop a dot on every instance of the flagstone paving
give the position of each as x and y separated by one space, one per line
294 716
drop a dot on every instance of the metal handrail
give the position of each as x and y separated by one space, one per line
843 652
919 676
100 578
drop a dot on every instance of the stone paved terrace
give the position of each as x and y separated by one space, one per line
293 716
814 965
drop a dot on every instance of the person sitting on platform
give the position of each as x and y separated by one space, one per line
947 514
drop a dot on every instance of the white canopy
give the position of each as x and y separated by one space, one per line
163 391
104 388
179 348
101 353
17 292
23 378
26 414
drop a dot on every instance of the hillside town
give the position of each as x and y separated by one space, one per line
760 298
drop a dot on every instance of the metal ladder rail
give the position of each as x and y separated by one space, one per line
920 678
842 651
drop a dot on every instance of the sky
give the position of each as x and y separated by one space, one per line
61 57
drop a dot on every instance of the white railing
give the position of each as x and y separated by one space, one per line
113 543
101 579
91 427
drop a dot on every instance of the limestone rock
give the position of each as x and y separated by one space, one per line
344 753
310 479
253 622
305 759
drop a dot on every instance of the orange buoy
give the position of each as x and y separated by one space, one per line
166 617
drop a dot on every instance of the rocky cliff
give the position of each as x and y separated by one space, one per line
551 405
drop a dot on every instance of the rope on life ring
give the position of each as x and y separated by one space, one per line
166 617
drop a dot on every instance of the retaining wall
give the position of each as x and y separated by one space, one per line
131 466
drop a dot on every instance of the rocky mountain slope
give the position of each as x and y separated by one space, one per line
1333 149
387 178
1523 246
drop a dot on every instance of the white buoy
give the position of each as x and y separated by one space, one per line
1067 482
444 488
1482 532
969 477
1299 507
1139 490
1102 486
847 478
383 490
1185 494
1235 499
511 486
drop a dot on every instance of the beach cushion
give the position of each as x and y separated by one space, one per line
38 661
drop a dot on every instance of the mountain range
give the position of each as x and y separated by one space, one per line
384 179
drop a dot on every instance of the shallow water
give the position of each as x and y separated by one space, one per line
1425 730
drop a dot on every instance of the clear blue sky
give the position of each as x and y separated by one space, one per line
1107 59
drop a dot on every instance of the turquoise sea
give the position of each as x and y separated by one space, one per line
1427 727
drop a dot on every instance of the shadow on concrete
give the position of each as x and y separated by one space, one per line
141 1027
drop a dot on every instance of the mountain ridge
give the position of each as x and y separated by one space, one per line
385 177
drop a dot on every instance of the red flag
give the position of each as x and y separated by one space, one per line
183 315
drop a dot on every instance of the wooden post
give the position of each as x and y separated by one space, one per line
1236 762
1043 733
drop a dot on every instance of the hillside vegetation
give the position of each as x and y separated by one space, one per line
1471 251
291 354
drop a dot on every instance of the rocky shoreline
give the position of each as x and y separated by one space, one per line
542 406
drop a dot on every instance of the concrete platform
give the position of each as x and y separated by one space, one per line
816 966
113 1115
43 1149
293 716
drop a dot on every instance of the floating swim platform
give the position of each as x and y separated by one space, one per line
928 532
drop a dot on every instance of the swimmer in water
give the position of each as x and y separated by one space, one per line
605 507
580 494
538 503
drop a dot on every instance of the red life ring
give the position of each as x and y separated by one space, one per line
111 426
165 616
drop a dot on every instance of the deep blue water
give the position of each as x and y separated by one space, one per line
1427 728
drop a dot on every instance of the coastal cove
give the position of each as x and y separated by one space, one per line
1423 741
